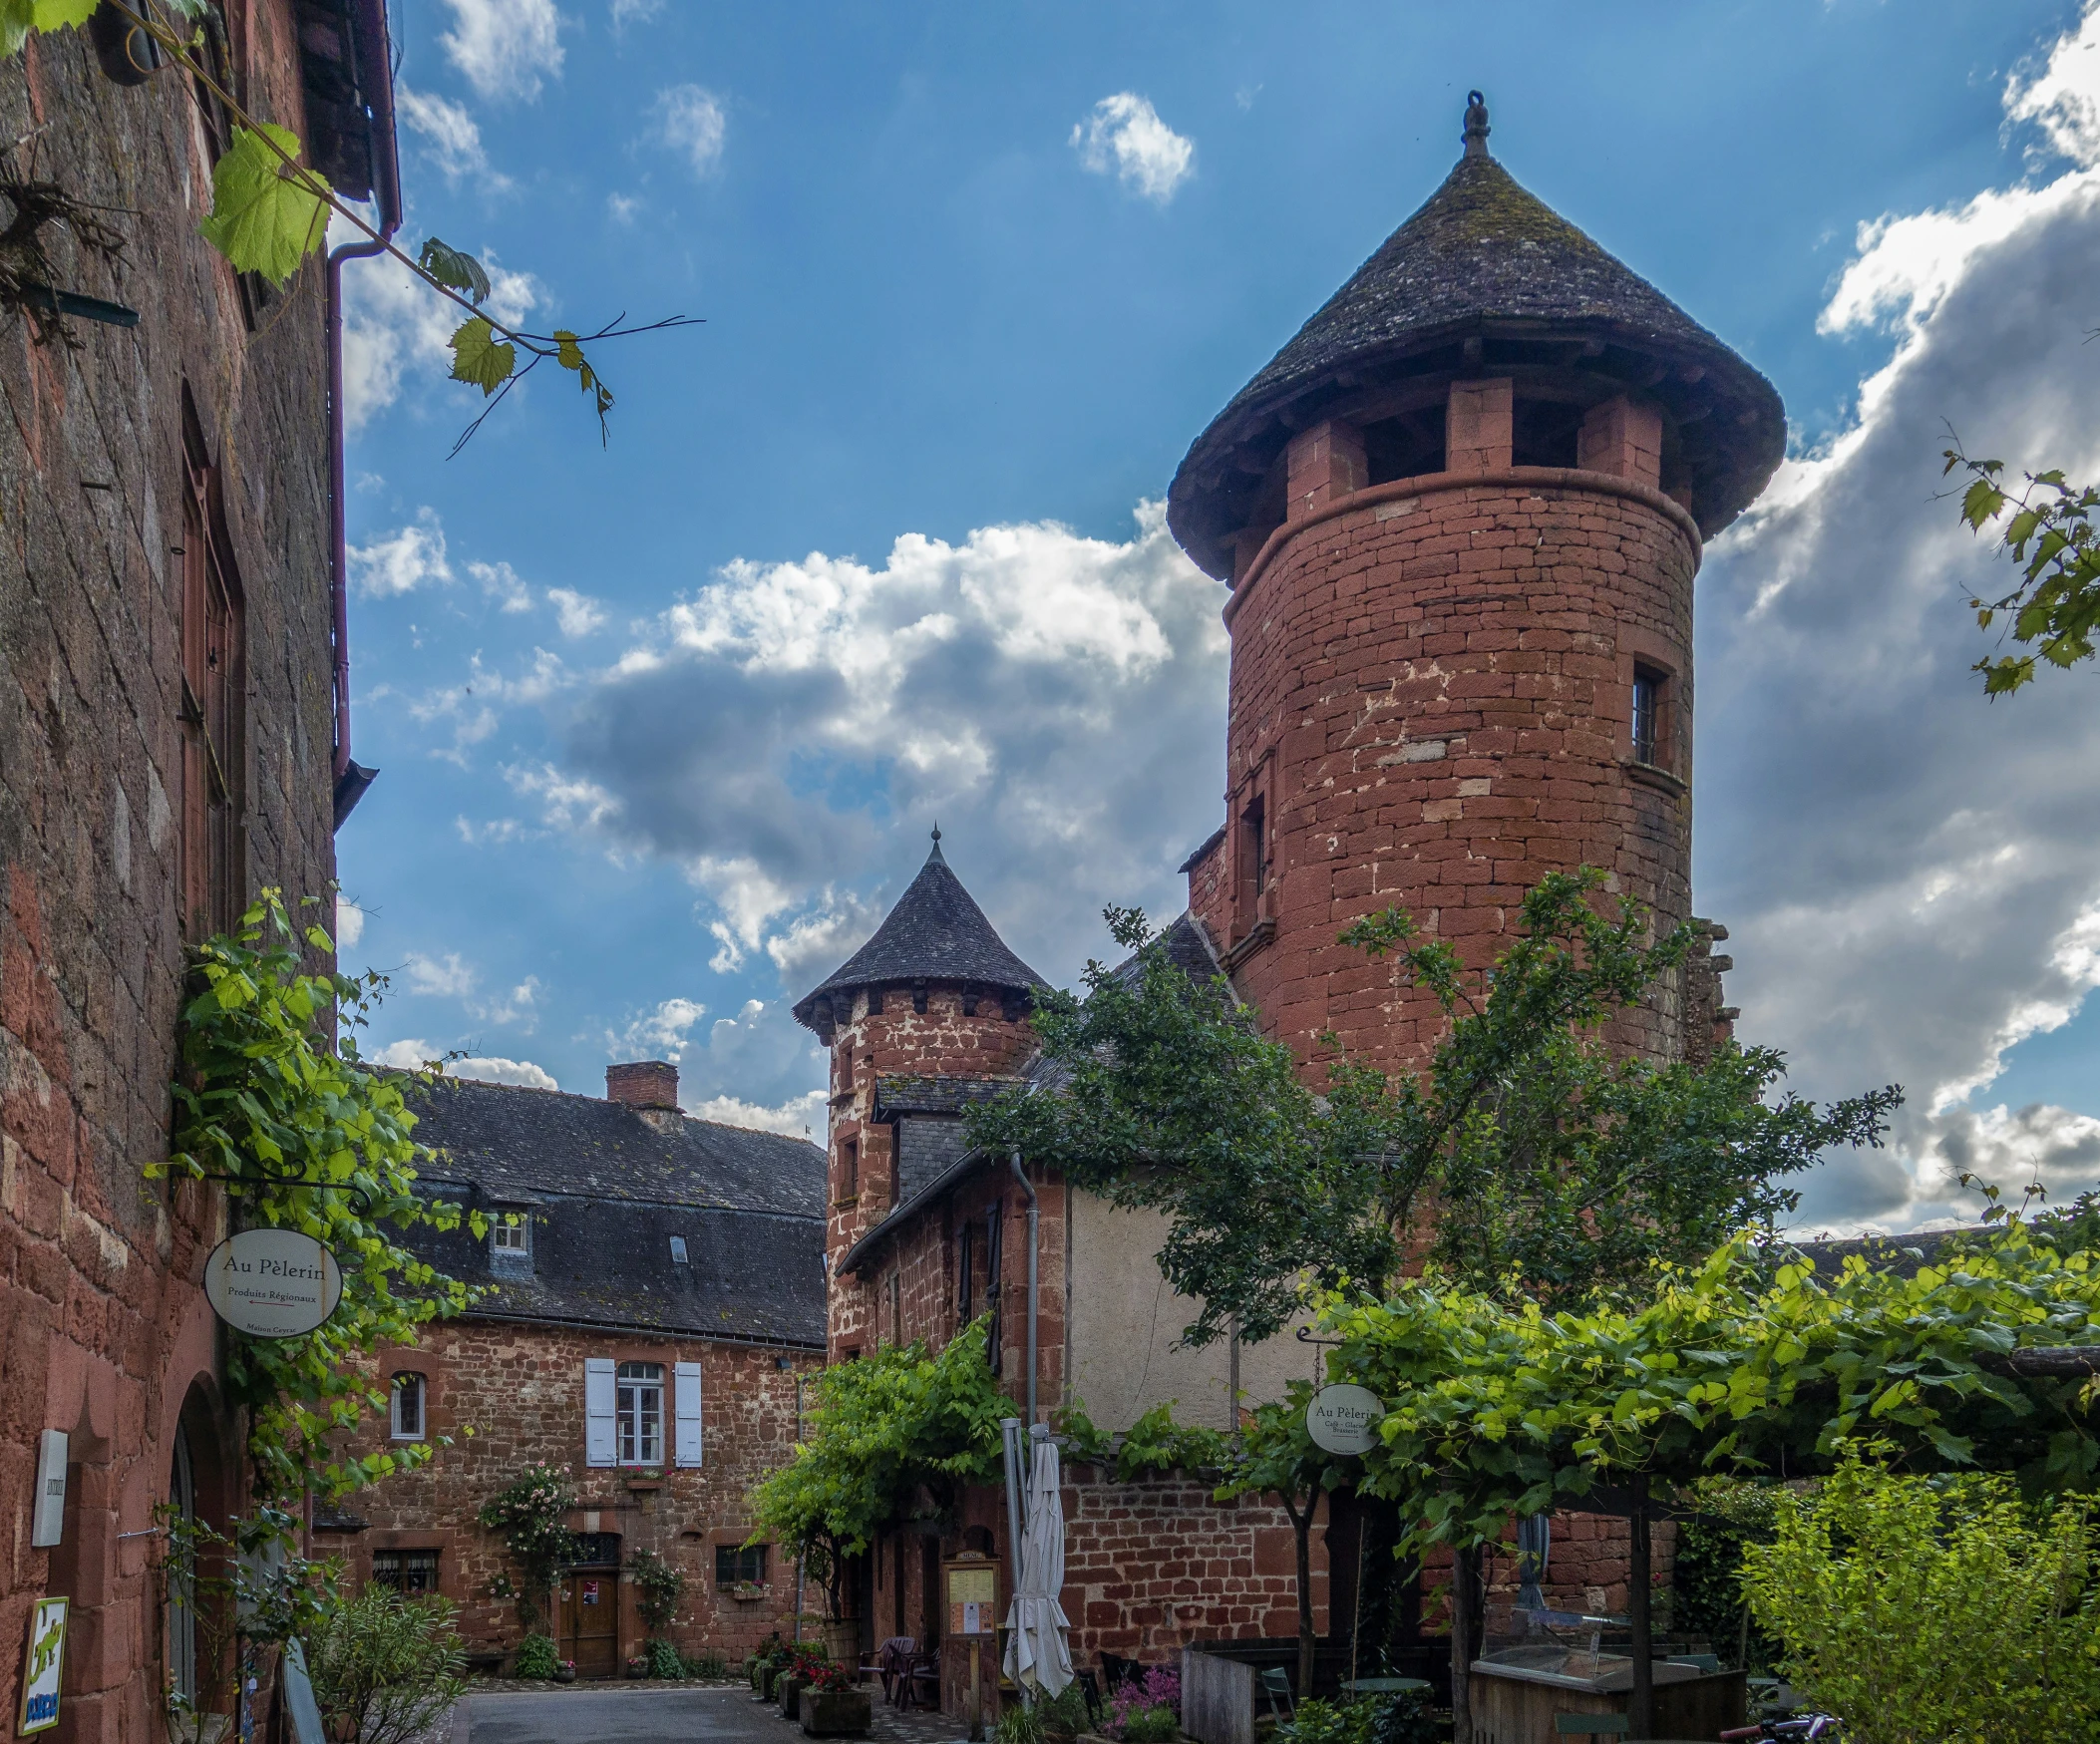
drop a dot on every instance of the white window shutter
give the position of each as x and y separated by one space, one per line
597 1411
687 1403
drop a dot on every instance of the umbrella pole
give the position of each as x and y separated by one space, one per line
976 1690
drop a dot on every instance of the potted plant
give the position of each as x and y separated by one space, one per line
564 1671
638 1665
834 1705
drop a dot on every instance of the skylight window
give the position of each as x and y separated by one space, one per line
678 1251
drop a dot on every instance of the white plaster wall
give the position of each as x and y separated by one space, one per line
1124 1326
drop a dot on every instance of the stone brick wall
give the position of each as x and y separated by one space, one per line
1431 693
511 1395
941 1041
103 1331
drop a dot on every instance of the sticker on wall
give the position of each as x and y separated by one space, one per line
42 1664
272 1283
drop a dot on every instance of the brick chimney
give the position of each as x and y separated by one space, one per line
643 1084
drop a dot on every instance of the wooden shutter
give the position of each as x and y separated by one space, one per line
685 1401
597 1411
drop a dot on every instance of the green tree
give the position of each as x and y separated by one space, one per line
389 1667
2044 529
272 1098
1936 1611
893 1435
1530 1154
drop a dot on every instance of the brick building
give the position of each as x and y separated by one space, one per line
170 740
653 1297
1459 516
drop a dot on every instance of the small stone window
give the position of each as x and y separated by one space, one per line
678 1256
408 1415
406 1570
511 1235
740 1566
638 1413
848 1168
1650 697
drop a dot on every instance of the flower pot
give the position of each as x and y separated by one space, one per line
837 1713
565 1674
787 1692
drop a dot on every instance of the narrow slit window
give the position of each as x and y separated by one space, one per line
1647 716
849 1169
407 1407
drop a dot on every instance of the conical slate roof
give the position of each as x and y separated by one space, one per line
937 933
1484 277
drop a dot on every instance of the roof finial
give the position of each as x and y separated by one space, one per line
1475 125
936 853
936 828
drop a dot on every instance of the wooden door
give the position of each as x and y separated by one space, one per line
592 1620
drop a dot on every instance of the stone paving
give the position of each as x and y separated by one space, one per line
656 1713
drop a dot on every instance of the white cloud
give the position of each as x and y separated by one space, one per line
506 47
349 923
689 119
657 1034
799 1117
394 322
403 560
473 708
1055 700
1125 137
496 833
501 583
623 208
626 12
454 140
413 1054
1912 874
517 1009
448 977
577 613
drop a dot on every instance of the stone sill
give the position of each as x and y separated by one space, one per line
1262 931
1647 775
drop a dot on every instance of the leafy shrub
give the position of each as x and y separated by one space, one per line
1054 1719
709 1665
392 1663
1156 1725
1709 1583
835 1676
1135 1709
1327 1722
664 1660
1941 1609
1403 1718
535 1657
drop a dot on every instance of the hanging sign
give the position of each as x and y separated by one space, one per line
41 1666
1344 1420
272 1283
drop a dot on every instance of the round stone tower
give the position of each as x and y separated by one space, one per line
1460 514
918 1019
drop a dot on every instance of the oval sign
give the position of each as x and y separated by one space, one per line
272 1283
1344 1420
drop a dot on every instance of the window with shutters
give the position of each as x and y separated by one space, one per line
407 1407
638 1413
213 702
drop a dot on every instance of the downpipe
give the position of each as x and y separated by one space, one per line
1034 1214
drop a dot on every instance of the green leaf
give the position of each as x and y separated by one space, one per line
454 269
478 358
266 215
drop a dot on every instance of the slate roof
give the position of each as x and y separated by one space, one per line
1486 260
607 1189
937 933
507 1138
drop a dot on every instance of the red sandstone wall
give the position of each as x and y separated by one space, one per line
520 1391
103 1331
1432 692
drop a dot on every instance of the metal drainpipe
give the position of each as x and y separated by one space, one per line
371 24
1020 1174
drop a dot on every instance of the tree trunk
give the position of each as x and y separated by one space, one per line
1465 1606
1641 1708
1302 1527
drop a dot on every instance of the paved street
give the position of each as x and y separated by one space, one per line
631 1715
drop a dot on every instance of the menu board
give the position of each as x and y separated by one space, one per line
974 1599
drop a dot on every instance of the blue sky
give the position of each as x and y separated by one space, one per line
663 725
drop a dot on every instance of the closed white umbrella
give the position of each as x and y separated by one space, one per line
1037 1654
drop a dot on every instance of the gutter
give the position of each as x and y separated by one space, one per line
373 57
